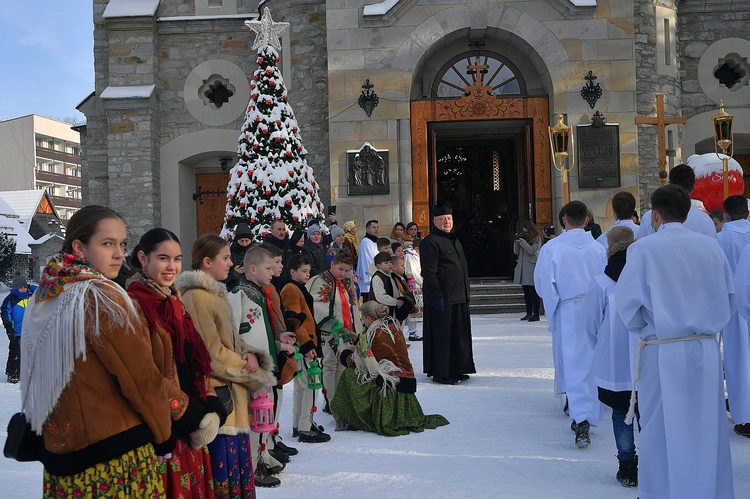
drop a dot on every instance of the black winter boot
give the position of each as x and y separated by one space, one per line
627 475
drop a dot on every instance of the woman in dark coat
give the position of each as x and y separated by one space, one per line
448 355
315 251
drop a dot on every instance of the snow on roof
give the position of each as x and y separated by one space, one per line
209 18
24 203
10 224
46 238
379 9
131 92
130 8
584 3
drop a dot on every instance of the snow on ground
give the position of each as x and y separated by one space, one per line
508 437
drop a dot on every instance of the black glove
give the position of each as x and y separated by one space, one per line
438 304
10 332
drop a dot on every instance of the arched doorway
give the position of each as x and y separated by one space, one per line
482 144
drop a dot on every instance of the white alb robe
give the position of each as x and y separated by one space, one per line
563 273
678 283
733 239
697 221
620 223
614 346
367 251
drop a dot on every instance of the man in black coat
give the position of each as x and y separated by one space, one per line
279 238
448 355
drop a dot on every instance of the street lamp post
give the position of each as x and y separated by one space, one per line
723 138
561 143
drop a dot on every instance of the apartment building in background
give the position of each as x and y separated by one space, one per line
42 153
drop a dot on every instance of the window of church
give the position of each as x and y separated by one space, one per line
216 91
494 70
733 71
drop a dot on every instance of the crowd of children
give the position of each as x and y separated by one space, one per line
178 357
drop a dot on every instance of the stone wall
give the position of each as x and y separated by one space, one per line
652 78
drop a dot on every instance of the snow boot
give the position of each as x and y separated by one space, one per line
263 478
627 475
582 435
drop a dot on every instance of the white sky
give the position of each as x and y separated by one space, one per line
47 57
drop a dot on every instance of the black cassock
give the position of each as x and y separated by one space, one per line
447 348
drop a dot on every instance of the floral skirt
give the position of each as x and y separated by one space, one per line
232 467
132 475
363 407
187 474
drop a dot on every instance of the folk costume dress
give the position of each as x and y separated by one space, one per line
334 303
185 364
90 387
377 392
252 311
231 459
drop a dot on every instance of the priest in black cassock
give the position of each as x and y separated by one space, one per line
447 350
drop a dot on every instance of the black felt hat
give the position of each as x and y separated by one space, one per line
442 209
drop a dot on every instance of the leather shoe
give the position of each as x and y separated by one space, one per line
742 429
279 455
534 318
289 451
460 377
445 381
312 437
526 317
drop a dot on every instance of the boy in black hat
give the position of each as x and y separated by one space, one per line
243 239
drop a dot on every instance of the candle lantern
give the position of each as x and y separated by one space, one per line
338 333
261 414
561 143
723 138
314 376
300 360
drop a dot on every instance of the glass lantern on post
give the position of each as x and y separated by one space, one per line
723 139
561 143
261 414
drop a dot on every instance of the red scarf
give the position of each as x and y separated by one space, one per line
170 313
346 312
269 308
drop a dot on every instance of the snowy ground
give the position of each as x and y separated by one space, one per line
508 437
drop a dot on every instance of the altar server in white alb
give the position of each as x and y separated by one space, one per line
613 344
563 273
733 238
677 292
697 220
623 206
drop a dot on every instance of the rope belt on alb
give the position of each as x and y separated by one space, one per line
631 410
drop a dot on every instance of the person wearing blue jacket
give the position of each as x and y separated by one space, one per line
13 309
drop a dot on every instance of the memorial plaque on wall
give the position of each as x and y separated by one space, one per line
367 171
598 156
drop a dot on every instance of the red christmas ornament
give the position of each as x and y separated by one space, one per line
290 172
283 182
299 148
250 172
268 102
289 153
265 234
278 122
259 182
268 193
242 192
257 119
272 83
318 202
265 131
256 146
237 185
309 214
260 60
252 220
294 129
295 218
313 183
314 409
231 196
277 59
229 217
309 191
252 86
269 72
255 77
288 202
285 98
254 96
242 205
261 208
278 218
278 139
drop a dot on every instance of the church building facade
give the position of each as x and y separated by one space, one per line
405 103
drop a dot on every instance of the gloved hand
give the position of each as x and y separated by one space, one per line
438 304
206 432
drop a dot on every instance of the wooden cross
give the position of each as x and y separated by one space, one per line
478 68
661 121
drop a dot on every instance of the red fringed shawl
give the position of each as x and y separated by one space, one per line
170 313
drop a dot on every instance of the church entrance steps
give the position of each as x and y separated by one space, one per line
495 296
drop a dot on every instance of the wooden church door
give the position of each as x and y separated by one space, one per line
211 200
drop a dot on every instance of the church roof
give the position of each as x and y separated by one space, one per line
130 8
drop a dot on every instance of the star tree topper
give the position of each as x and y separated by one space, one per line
267 31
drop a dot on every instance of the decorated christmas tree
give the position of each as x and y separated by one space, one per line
272 180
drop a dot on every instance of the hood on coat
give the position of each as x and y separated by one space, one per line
193 279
